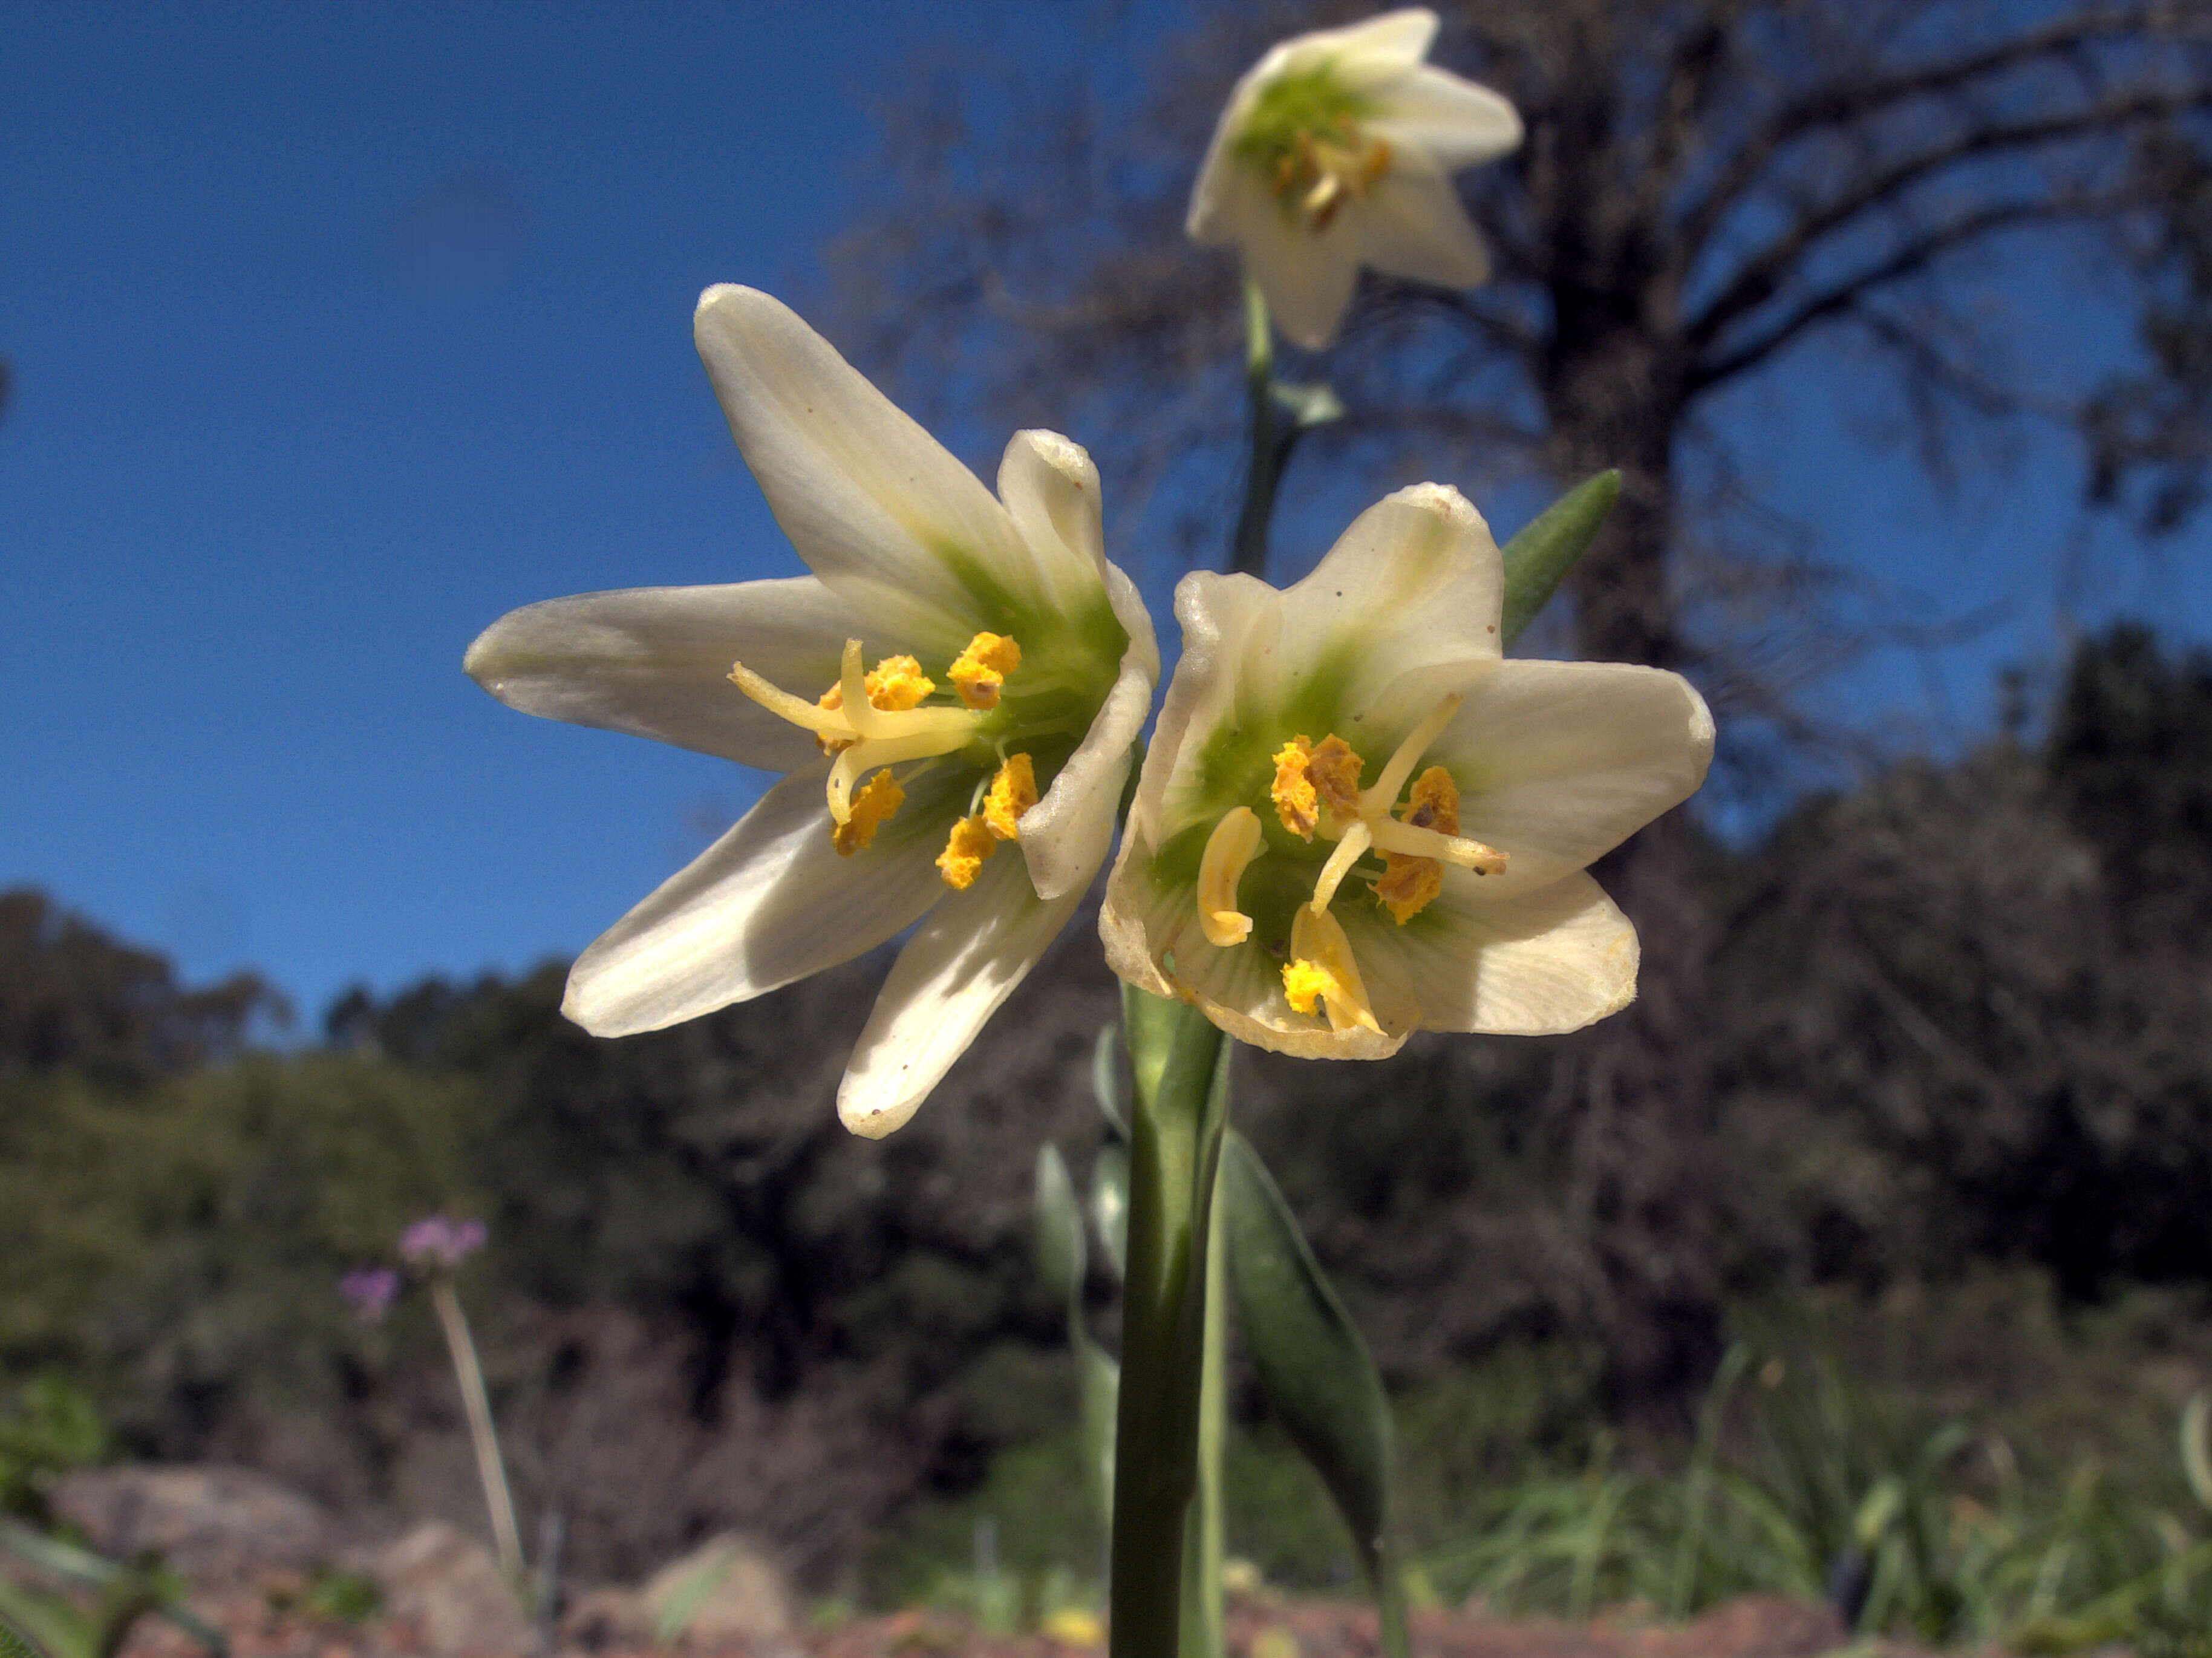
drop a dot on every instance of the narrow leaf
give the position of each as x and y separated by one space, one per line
1311 1362
1106 1079
1538 559
1058 1227
1099 1382
1109 1203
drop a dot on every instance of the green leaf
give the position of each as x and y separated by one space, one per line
1311 1362
1109 1203
1099 1382
1538 559
1309 405
1059 1229
692 1593
1106 1079
13 1645
2196 1444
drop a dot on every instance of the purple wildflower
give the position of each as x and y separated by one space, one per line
434 1241
369 1290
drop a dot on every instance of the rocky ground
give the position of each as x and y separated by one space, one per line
260 1560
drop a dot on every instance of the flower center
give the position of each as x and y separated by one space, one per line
1317 791
874 719
1304 136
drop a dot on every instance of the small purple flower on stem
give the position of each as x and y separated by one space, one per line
370 1291
434 1241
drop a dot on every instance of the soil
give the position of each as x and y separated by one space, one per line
1757 1626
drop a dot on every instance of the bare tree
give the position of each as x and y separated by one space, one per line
1708 187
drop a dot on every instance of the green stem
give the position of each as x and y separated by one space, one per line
1204 1622
477 1404
1264 470
1178 1063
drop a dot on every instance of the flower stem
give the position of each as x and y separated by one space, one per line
478 1406
1204 1632
1264 469
1178 1063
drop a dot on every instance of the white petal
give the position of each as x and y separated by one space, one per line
1308 279
655 662
1065 837
1455 123
1412 225
1375 48
877 508
1050 488
1557 762
770 901
953 974
1552 960
1413 588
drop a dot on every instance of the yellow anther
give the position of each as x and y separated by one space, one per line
970 842
1321 968
870 808
1434 802
978 672
1321 173
1231 846
1335 770
896 684
1409 884
1305 983
1014 792
1293 791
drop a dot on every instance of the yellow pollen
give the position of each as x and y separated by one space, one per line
1409 884
1334 773
1229 850
970 842
870 808
1293 791
1014 792
1305 983
978 671
895 684
1321 968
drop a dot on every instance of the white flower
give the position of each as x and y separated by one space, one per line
1358 820
1337 150
958 671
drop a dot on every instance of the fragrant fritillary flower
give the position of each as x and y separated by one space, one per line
962 676
1357 819
1337 150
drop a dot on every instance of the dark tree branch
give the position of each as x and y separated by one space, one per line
1909 258
1834 104
1765 273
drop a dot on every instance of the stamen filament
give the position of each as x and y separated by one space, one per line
1350 847
1384 793
871 752
1229 851
823 722
1414 841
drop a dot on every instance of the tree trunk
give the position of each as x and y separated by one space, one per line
1642 1193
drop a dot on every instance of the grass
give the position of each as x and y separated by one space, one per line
1975 1467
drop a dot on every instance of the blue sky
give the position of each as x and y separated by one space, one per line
340 329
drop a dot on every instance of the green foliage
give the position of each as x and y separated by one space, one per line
71 998
47 1427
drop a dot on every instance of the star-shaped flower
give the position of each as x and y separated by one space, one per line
958 673
1337 150
1358 819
